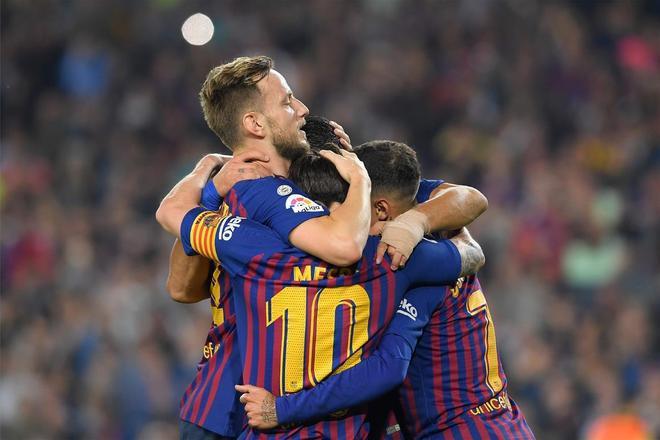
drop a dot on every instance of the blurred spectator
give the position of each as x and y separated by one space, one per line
549 108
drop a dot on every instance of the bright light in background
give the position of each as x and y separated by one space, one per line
197 29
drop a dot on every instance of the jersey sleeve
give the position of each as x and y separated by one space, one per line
274 202
229 240
382 371
426 187
433 263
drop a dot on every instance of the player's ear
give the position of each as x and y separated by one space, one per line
383 209
255 124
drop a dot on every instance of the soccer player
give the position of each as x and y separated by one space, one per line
441 347
300 319
251 108
223 412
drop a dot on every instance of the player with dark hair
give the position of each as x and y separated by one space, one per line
442 347
299 318
320 133
209 402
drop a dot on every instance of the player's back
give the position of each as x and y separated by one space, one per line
303 320
456 386
299 319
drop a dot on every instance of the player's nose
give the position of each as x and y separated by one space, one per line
303 111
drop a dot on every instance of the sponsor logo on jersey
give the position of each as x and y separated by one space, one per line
284 190
299 203
407 309
228 226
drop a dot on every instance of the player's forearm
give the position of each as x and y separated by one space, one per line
351 220
187 280
452 207
375 376
185 195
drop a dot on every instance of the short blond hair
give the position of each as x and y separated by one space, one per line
229 90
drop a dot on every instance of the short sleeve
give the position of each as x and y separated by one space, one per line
274 202
433 263
426 187
231 241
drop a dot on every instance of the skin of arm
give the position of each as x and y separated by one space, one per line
340 237
452 207
350 223
187 280
185 195
449 207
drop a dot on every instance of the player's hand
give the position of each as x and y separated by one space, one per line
211 162
400 236
343 137
347 163
259 406
245 166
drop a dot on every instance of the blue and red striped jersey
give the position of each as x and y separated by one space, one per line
454 385
299 319
210 400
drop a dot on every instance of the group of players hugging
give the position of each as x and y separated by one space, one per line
343 287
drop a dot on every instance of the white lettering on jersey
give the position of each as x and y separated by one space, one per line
407 309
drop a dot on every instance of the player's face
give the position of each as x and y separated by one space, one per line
285 115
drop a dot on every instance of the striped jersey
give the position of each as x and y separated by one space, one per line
455 387
298 319
443 342
210 400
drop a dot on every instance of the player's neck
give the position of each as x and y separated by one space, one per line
276 165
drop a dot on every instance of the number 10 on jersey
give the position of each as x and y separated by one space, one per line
310 334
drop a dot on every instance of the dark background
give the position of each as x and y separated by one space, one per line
551 109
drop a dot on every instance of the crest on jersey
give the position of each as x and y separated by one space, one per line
210 220
284 190
298 203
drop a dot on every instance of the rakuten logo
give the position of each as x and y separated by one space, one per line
227 230
407 309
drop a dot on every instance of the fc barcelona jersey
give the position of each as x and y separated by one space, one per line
299 319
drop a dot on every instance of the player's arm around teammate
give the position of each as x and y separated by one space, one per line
383 370
185 195
188 277
450 207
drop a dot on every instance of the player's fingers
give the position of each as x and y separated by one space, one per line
248 173
380 252
391 250
244 388
377 228
348 154
396 261
251 156
243 398
404 260
331 156
262 170
346 144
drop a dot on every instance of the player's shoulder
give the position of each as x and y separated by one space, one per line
281 185
284 190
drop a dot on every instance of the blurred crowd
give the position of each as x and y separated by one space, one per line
551 109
